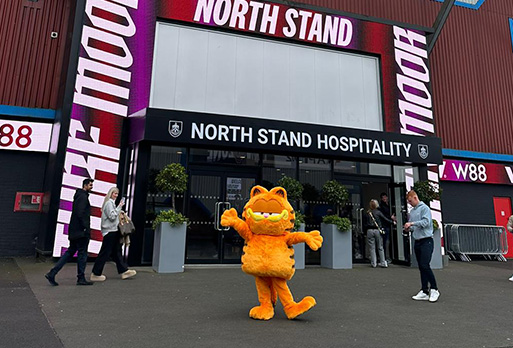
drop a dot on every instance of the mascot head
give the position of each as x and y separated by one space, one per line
269 212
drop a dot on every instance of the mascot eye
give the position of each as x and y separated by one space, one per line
258 213
274 214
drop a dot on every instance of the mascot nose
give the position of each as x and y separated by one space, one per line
266 215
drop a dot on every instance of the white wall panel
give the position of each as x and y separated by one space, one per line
302 84
206 71
276 81
191 72
249 77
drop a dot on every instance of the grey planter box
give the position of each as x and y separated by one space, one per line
299 251
436 259
169 248
336 250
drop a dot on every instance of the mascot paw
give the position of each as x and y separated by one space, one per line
262 312
229 217
314 240
293 310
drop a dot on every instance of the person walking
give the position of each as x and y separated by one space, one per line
509 227
374 229
79 234
111 244
420 225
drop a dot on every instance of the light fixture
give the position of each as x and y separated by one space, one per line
179 152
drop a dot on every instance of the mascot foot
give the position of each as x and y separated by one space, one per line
262 312
295 309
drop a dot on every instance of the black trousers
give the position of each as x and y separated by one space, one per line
423 251
111 247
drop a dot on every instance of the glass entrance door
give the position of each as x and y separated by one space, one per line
211 194
401 249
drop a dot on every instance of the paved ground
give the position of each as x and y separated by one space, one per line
208 307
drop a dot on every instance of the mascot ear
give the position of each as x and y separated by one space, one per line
280 191
257 190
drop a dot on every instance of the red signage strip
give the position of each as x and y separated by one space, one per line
476 172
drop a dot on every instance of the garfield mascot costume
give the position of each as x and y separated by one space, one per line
268 255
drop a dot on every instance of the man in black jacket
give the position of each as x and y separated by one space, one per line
79 234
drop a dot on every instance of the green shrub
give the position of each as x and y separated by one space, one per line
300 219
343 224
292 186
170 216
427 191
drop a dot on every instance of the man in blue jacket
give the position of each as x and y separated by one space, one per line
420 224
79 234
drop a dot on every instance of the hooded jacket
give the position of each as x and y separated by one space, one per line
80 223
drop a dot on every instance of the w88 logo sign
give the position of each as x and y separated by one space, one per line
10 134
25 136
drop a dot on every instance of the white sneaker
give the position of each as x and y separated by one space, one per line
128 274
434 295
384 264
511 279
95 278
421 296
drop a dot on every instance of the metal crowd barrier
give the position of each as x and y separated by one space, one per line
464 240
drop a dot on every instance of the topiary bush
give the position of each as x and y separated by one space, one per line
427 191
172 178
300 219
335 194
292 186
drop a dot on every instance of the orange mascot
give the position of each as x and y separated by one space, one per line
268 255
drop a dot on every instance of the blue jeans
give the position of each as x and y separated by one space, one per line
75 245
423 251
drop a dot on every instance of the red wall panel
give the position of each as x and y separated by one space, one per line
32 62
471 67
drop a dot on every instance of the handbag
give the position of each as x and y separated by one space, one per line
376 223
126 226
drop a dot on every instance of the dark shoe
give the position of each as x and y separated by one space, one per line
51 279
84 282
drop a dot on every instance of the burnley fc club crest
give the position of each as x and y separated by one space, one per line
175 128
423 151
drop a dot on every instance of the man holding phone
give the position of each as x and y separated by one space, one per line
420 224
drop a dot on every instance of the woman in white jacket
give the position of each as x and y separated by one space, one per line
111 245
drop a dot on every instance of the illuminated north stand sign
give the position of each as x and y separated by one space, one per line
404 66
207 130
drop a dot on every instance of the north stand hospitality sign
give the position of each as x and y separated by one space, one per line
207 130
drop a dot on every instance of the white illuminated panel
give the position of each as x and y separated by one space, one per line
25 136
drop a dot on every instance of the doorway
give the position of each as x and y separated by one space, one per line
400 243
502 208
210 194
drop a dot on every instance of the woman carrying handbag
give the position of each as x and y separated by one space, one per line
111 245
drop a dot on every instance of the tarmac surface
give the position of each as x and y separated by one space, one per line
208 307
